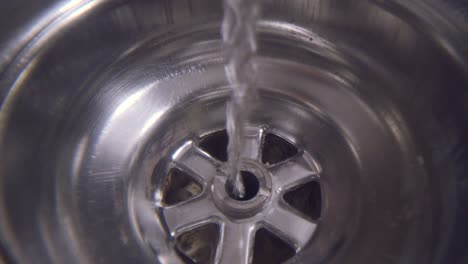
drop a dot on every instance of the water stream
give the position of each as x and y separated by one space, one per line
238 31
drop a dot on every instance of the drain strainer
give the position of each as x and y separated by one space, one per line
275 219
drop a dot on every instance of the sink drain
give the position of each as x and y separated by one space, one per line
275 219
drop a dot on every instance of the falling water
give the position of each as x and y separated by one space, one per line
238 31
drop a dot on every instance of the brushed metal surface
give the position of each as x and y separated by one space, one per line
98 99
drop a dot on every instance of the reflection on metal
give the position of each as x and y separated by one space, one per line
365 91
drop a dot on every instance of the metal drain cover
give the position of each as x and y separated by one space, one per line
272 168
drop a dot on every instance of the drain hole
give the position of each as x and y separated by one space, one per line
276 149
179 187
251 184
307 199
215 144
198 245
269 248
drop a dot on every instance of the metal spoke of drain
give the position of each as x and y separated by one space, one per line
190 214
236 243
295 171
191 158
253 144
295 228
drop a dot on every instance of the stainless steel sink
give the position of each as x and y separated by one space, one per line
113 142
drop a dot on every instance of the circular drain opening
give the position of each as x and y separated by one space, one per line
188 208
251 185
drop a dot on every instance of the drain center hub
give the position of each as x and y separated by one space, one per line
257 181
251 185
